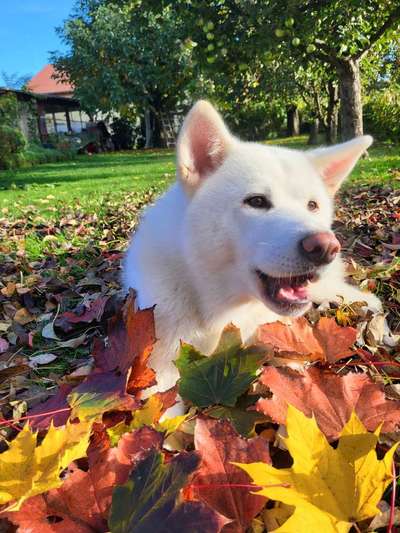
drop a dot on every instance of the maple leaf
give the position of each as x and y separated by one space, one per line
36 516
221 377
27 469
120 369
83 501
326 341
100 392
331 489
149 415
94 312
195 517
57 402
243 421
219 445
130 340
329 397
147 502
109 467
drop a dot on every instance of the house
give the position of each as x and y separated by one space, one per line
40 116
49 112
44 82
48 108
59 111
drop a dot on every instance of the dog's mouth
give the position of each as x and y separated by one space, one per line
288 294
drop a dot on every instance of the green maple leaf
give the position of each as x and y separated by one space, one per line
148 498
223 376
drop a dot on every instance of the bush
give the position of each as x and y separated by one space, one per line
12 144
382 114
35 154
12 141
124 134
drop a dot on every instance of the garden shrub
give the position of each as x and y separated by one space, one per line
12 141
382 114
125 134
35 154
12 144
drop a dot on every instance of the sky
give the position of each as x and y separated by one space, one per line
27 33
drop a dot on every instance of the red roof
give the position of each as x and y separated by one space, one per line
43 83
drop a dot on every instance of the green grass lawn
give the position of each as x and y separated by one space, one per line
89 179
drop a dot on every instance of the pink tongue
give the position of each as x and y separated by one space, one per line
292 294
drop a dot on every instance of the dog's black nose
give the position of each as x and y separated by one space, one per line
320 248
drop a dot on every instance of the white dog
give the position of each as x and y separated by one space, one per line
244 236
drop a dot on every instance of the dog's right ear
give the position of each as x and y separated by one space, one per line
202 146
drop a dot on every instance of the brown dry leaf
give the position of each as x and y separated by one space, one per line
23 316
8 290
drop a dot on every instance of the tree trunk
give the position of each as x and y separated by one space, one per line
158 141
293 120
313 138
332 114
152 128
149 129
350 99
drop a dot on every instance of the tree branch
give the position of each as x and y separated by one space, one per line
327 53
392 18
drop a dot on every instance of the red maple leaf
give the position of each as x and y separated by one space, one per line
329 397
221 485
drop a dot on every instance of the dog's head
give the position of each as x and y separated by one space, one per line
259 217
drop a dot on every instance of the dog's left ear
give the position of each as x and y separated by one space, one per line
202 146
336 162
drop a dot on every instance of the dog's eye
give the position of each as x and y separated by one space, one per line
312 205
258 201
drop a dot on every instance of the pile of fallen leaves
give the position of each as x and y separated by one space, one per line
313 410
263 445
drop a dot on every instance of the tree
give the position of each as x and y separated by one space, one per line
341 34
125 56
330 32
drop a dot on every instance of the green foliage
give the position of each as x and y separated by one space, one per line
35 154
123 54
124 134
8 110
252 58
12 143
382 114
222 377
288 52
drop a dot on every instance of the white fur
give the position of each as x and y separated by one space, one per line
195 251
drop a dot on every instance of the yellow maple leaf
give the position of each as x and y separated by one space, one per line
331 489
27 469
148 415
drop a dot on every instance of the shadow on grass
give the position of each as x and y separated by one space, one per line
97 167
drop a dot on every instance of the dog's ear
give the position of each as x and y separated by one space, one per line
202 144
336 162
